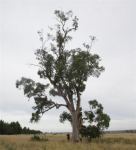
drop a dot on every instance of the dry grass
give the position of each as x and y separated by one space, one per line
58 142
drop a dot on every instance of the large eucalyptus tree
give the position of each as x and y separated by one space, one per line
64 70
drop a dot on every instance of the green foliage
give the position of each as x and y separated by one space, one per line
12 128
97 119
90 132
65 116
15 128
97 116
67 70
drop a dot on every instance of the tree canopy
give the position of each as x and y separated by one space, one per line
65 70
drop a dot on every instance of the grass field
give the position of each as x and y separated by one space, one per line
122 141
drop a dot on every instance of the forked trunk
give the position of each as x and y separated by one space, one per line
75 130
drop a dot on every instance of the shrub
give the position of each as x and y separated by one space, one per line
39 138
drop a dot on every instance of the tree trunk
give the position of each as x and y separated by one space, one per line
75 130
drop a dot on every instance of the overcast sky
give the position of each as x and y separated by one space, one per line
113 22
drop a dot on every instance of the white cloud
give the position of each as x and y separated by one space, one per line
113 22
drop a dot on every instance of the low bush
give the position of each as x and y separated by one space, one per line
39 138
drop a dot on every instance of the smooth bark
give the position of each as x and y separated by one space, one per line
75 129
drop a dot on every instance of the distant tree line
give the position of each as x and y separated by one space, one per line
121 131
15 128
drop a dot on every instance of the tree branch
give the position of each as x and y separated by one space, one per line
55 105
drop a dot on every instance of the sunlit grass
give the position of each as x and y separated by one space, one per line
58 142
